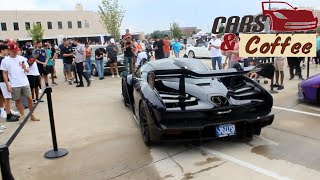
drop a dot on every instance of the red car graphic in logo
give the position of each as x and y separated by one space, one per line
289 18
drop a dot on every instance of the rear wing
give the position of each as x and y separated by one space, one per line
185 73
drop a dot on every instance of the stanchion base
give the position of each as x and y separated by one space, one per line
56 154
273 91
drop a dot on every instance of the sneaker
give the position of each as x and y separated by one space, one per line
80 85
276 85
113 76
12 118
118 76
3 127
88 84
3 114
280 87
39 100
101 78
54 83
34 118
15 113
40 91
291 78
34 101
91 79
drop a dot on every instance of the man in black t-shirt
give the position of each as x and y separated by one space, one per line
158 48
128 48
68 58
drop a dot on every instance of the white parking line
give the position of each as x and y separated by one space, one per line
297 111
245 164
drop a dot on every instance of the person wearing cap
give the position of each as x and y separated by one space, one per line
216 55
80 62
14 68
112 51
5 96
33 75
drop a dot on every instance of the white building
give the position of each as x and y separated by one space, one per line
75 23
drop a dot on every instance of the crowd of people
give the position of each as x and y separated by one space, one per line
232 57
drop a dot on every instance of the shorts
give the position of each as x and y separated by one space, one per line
18 92
67 67
33 81
48 70
113 59
5 93
41 69
278 64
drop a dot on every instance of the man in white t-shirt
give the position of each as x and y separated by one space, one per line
216 55
15 67
141 56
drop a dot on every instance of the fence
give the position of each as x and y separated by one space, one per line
55 153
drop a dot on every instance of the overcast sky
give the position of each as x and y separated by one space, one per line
149 15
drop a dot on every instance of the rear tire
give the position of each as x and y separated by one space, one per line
125 94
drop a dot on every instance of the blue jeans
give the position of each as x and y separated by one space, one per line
214 62
99 67
127 61
88 67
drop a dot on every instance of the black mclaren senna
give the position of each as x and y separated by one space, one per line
183 99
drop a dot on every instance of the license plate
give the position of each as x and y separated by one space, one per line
225 130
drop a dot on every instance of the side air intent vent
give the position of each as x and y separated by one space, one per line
220 101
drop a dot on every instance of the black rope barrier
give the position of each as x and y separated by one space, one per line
55 153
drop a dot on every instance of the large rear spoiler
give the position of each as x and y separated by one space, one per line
185 73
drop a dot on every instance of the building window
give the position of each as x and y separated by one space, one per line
79 24
27 24
49 25
15 26
70 24
59 25
86 24
39 23
4 26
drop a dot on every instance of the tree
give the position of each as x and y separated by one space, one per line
111 16
176 31
157 33
318 29
36 32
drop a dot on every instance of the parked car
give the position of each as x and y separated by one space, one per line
120 59
199 50
181 99
309 89
289 18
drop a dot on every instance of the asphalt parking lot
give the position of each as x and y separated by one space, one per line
104 142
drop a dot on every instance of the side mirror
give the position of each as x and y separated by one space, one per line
151 80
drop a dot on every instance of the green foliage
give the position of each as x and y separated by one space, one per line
318 29
111 15
176 31
36 32
157 33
